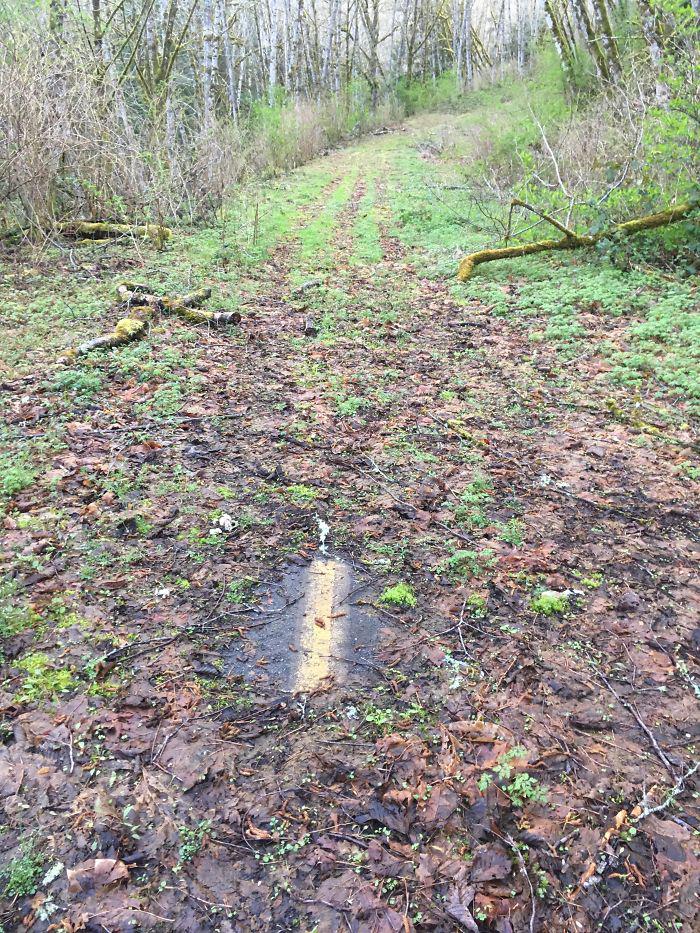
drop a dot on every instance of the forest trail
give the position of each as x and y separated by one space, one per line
373 614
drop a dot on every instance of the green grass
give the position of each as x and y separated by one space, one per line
301 494
367 247
14 616
315 236
567 302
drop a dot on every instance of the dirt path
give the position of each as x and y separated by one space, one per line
385 620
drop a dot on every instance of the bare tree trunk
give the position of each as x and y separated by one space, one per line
561 40
599 59
272 70
208 58
222 28
369 10
328 51
652 35
602 15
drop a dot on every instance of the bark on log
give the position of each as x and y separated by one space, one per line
574 240
90 230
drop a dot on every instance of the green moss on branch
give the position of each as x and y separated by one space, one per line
573 240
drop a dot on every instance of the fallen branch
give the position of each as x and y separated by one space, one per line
126 330
571 240
187 307
508 839
141 305
592 874
90 230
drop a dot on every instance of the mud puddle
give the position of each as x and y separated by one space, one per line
316 629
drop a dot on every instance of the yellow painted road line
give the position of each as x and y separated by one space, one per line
320 632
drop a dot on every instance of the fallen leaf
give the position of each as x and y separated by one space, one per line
96 873
457 906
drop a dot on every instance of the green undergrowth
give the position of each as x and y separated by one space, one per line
642 321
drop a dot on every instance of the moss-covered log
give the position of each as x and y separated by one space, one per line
138 301
126 330
91 230
574 240
191 300
188 308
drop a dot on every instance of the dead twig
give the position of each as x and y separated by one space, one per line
640 722
513 846
670 797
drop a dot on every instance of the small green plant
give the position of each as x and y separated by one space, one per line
689 470
17 478
511 532
524 788
541 882
23 873
279 828
504 766
239 591
593 582
470 511
415 712
550 603
165 401
192 840
378 717
463 564
14 618
83 384
302 495
521 788
476 604
62 615
42 679
393 556
400 595
351 405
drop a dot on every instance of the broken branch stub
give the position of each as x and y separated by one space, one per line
572 240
